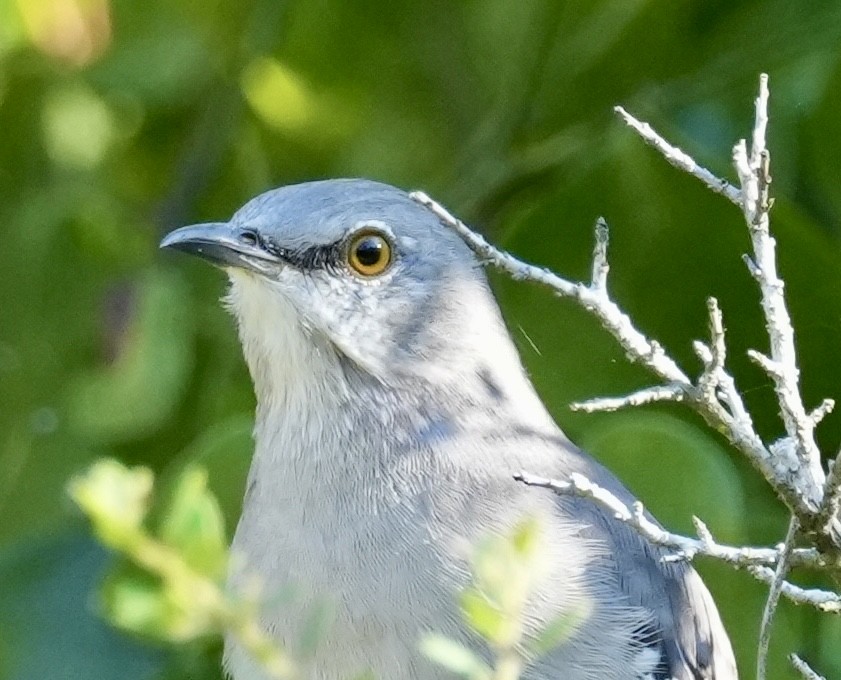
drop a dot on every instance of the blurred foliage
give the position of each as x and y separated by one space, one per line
494 606
120 120
172 585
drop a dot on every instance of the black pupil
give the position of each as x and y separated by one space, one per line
369 251
249 238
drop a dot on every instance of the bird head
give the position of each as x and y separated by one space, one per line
351 269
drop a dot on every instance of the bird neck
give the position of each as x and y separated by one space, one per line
316 407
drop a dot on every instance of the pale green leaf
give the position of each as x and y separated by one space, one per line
135 603
193 524
453 656
115 499
481 614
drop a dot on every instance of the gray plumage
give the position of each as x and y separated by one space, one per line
392 412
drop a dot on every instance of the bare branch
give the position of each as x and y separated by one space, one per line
831 505
726 415
598 281
791 464
773 369
715 384
774 598
760 126
803 668
822 411
684 547
753 168
649 395
680 159
636 345
824 600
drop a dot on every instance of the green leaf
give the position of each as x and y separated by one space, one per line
494 567
142 604
524 538
224 450
115 499
485 618
454 656
365 675
135 601
193 524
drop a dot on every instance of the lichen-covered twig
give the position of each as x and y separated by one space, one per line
680 159
647 395
803 668
725 414
753 168
683 547
780 572
825 600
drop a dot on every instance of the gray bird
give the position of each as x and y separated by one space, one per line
392 413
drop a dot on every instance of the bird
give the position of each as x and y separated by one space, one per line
392 413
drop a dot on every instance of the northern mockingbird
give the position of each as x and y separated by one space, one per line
392 413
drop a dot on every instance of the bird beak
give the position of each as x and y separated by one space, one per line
222 245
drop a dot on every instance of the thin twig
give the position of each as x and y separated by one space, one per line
823 409
831 506
773 598
601 268
825 600
649 395
803 668
594 299
683 547
680 159
753 168
728 416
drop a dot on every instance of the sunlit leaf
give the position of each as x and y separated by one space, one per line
524 538
453 656
485 618
114 498
136 603
193 524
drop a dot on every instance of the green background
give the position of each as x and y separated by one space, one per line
120 120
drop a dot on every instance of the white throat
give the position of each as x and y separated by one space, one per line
286 359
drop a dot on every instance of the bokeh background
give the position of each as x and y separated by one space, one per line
120 120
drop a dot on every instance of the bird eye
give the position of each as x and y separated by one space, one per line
249 237
369 254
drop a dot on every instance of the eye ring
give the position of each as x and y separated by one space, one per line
249 237
369 253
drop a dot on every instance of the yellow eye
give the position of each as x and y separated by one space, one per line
369 254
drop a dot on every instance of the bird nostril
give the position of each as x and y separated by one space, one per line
249 237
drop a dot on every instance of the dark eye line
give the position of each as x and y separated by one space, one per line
309 259
330 256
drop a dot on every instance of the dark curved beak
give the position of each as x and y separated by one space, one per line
222 245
